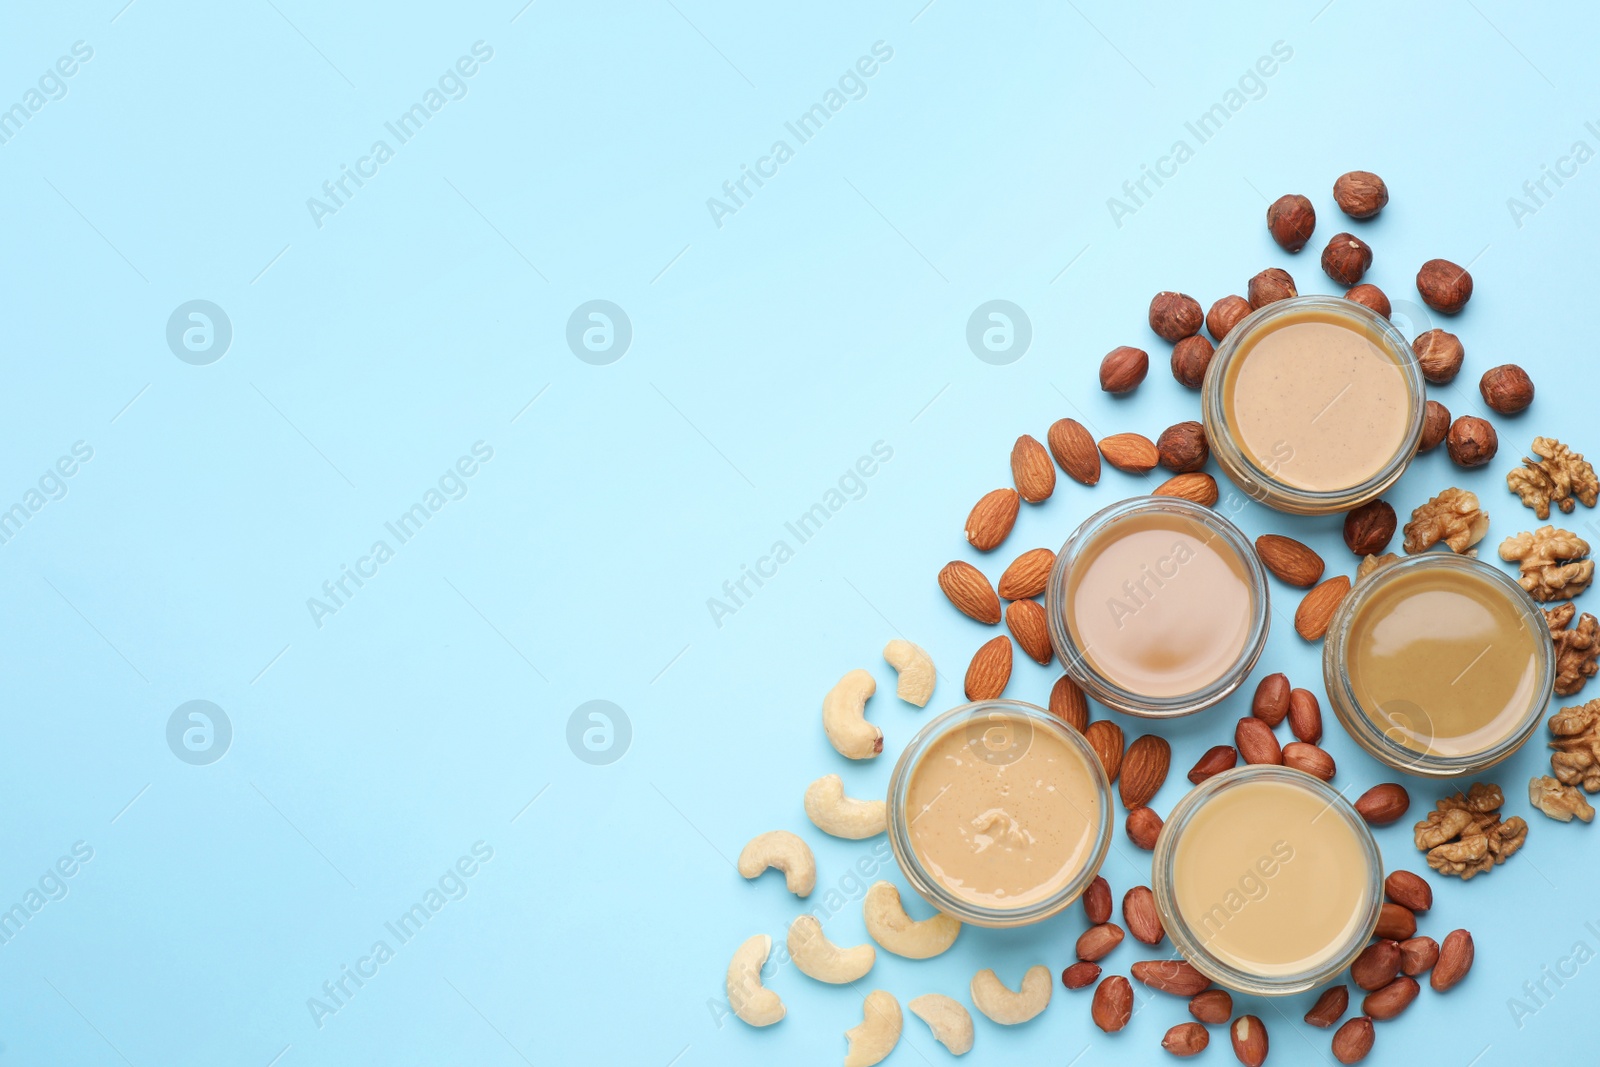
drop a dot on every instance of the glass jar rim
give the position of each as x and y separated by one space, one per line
1378 743
1193 948
1110 692
1261 484
911 864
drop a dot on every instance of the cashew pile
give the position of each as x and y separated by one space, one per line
785 851
819 958
915 668
991 996
844 716
891 927
878 1033
841 816
950 1023
750 1000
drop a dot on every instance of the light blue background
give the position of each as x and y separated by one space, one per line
768 354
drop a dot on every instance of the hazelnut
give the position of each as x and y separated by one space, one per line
1183 447
1444 286
1439 354
1190 358
1270 286
1435 424
1290 220
1225 315
1471 441
1360 194
1506 388
1370 296
1368 529
1123 369
1175 316
1346 258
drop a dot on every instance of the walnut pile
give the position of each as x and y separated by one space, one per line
1560 802
1552 562
1576 759
1465 836
1452 517
1559 475
1576 649
1372 564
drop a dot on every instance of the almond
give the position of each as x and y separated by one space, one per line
1393 998
1186 1039
1068 704
1073 447
1292 562
1097 901
1144 769
991 519
1305 716
1031 470
1418 955
1080 974
1096 943
1384 804
1271 701
1105 737
1353 1040
1177 977
1214 1006
1408 890
1315 613
1455 960
1377 965
1140 915
1113 1004
1028 574
1027 622
970 591
1130 452
1309 758
1256 743
1123 368
989 670
1249 1040
1395 923
1329 1006
1144 828
1217 759
1199 487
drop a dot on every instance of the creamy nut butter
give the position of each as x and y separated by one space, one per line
1002 814
1266 883
1315 400
1159 604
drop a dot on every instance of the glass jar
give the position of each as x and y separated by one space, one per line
1312 846
1265 472
1000 733
1402 732
1211 605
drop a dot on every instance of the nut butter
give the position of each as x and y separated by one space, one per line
1157 606
1314 404
1439 664
999 813
1267 880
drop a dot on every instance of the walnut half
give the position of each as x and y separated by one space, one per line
1576 759
1465 835
1576 649
1452 517
1553 562
1560 802
1559 474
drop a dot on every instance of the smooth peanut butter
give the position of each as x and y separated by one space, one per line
1001 813
1159 604
1269 879
1315 401
1443 661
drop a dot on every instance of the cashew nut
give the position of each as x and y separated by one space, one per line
842 816
915 668
843 716
990 995
785 851
896 931
750 1000
878 1033
821 959
950 1022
